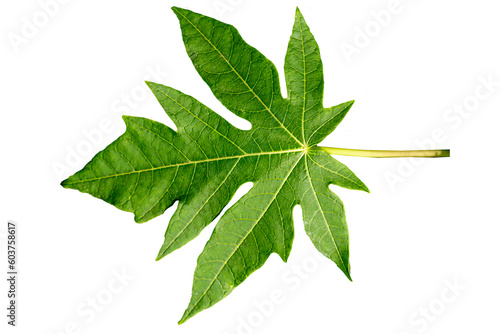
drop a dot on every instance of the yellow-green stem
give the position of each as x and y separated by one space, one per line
384 153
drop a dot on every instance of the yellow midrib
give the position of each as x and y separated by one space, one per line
187 163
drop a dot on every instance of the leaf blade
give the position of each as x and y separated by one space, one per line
254 87
134 166
328 229
203 163
239 229
304 71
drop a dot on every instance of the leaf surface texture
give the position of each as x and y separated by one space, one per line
203 163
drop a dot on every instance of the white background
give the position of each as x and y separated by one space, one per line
434 225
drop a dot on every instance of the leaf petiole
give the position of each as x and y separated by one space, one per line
384 153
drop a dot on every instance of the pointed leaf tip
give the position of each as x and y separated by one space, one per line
186 316
182 11
298 15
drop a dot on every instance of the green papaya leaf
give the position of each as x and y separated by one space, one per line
202 165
